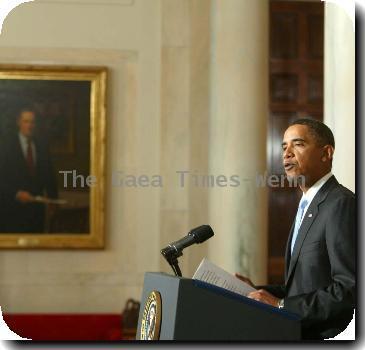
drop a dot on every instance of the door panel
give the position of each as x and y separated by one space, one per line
296 90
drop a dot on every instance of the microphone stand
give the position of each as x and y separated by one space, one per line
171 255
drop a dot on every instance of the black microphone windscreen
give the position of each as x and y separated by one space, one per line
202 233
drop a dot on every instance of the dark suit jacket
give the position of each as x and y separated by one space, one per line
320 275
14 177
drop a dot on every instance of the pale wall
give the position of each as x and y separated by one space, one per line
126 39
157 52
339 89
159 58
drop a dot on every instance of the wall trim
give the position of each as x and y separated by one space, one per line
88 2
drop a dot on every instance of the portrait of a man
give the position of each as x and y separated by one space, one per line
27 176
44 131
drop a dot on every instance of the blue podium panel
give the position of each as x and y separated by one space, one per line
197 311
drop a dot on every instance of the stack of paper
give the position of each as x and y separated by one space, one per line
210 273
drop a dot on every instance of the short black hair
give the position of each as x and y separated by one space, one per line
319 130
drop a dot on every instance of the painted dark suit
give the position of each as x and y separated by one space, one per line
16 217
320 274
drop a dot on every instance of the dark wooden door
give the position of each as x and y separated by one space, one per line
296 90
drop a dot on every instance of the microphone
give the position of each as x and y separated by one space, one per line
197 235
174 250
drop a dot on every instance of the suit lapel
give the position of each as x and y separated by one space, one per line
37 156
22 161
19 156
309 218
287 250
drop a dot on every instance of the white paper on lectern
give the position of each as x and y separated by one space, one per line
45 200
210 273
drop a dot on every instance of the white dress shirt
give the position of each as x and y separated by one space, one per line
24 146
310 194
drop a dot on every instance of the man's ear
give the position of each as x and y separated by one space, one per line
328 151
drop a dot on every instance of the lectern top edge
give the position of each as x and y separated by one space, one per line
239 297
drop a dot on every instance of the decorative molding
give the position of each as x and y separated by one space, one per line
62 56
88 2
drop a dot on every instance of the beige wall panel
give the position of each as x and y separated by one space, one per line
199 119
175 23
339 88
175 126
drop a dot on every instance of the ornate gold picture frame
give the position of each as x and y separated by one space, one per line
52 156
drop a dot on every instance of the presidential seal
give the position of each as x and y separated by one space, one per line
151 319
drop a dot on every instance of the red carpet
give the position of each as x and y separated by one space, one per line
66 327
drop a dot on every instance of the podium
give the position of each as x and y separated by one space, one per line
176 308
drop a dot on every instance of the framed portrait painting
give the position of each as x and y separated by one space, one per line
52 156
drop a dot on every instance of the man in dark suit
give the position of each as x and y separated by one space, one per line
25 173
320 252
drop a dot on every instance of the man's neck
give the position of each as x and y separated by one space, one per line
308 184
25 137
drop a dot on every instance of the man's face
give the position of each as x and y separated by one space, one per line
26 123
302 155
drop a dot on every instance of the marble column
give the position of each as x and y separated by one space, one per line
185 76
175 123
237 135
339 87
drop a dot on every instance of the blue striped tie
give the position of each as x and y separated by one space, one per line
303 203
